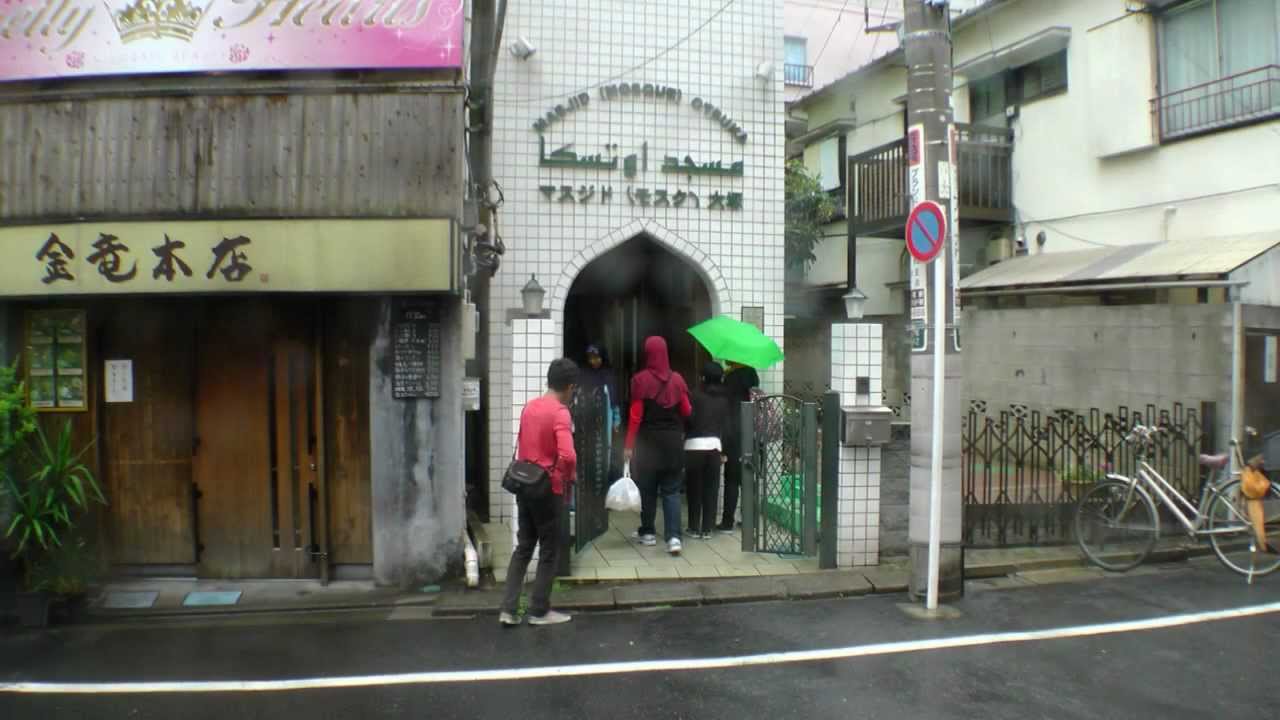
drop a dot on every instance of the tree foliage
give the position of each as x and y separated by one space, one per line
809 208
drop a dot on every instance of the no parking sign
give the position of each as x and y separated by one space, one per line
926 231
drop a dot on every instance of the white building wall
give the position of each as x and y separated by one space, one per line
709 51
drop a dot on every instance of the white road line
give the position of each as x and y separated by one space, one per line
645 666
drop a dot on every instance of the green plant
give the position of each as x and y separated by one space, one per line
49 493
808 208
1080 475
17 419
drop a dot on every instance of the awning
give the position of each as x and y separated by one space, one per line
230 256
1208 259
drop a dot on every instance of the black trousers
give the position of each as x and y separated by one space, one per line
732 482
539 526
702 478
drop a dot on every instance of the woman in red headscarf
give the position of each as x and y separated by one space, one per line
655 442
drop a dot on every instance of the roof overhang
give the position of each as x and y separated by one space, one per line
1201 262
1016 54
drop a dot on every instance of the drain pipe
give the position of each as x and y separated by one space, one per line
472 560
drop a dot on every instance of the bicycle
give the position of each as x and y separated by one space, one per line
1123 506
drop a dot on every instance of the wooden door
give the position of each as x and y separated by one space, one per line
257 440
147 441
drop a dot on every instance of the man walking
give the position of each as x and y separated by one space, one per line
545 439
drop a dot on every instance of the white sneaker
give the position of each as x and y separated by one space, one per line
644 539
551 618
674 546
508 620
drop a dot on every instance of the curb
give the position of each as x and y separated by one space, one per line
638 595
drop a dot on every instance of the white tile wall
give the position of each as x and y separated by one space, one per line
706 49
857 351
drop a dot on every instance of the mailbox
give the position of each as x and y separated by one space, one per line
867 426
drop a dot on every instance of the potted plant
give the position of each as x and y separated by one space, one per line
50 489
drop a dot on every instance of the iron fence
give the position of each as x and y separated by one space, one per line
1023 472
1233 100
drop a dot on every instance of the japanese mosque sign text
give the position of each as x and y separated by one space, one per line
634 161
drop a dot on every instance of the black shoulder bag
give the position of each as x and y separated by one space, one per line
526 479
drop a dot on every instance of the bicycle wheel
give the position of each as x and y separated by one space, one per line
1116 530
1231 531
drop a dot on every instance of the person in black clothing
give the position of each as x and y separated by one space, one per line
739 382
704 449
655 442
599 374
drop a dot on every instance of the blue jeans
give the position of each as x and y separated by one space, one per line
659 477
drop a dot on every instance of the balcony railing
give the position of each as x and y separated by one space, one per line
798 75
880 197
1235 100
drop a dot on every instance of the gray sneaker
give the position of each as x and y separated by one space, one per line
674 546
551 618
508 620
644 539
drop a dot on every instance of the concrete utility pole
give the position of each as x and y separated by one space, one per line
935 510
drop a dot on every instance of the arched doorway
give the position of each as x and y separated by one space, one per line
629 293
635 290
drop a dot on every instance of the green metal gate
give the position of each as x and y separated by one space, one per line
780 476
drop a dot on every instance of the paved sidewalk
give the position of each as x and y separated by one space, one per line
985 569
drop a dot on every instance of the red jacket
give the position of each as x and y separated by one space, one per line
546 438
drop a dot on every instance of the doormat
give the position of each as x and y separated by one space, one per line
130 600
203 598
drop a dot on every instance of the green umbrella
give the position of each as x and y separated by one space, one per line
729 339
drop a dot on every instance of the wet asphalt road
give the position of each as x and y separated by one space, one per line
1222 669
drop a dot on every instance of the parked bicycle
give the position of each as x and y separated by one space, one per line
1117 525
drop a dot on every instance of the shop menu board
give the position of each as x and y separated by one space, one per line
56 360
415 340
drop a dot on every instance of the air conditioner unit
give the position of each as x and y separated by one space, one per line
999 247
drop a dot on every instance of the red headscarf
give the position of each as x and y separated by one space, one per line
658 382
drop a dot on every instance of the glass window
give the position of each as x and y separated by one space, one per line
987 101
1215 58
56 360
1042 77
797 52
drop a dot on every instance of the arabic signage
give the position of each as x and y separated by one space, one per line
229 256
612 158
42 39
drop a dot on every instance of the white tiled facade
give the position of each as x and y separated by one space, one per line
710 52
857 350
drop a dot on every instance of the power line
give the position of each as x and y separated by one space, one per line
834 25
642 65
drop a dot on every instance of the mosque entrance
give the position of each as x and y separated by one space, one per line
636 290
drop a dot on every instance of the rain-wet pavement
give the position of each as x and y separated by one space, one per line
1220 668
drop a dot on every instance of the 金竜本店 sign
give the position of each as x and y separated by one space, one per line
415 255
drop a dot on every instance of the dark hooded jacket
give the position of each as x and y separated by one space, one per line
712 406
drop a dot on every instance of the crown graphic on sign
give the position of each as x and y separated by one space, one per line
178 19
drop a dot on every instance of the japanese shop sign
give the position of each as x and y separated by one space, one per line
42 39
230 256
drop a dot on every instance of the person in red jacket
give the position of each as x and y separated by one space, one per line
655 442
546 439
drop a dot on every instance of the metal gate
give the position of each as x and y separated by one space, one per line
593 441
780 476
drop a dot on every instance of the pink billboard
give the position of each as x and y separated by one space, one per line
44 39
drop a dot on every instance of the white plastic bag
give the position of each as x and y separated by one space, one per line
623 495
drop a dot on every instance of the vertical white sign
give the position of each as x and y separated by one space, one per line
953 195
919 275
119 381
1269 359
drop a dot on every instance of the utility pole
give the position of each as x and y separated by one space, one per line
935 501
484 246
